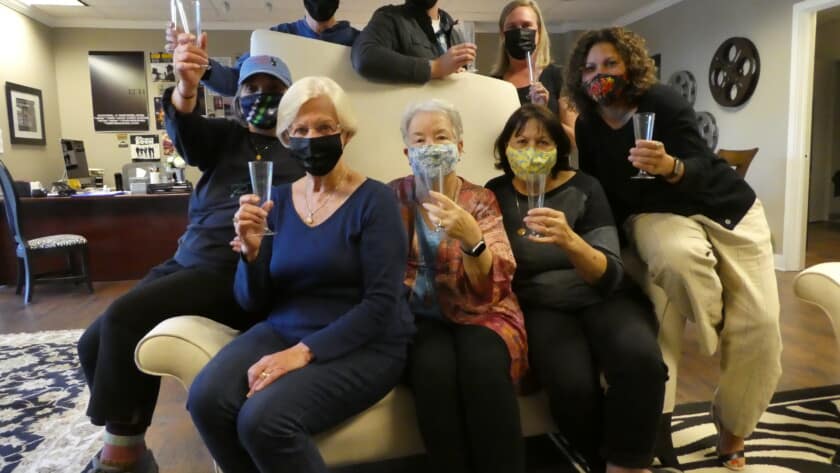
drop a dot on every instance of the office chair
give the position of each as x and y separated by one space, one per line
73 247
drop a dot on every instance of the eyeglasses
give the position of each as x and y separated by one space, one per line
321 129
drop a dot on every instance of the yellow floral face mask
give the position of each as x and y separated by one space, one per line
531 161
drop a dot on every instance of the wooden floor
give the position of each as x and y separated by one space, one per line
811 356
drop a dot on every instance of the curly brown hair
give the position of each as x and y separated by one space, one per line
641 70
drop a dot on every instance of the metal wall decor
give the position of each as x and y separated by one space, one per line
685 84
707 125
734 72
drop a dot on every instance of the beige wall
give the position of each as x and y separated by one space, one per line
687 35
28 60
75 106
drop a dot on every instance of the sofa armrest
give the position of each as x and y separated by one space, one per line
181 346
820 285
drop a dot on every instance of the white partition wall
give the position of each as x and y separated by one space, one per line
484 103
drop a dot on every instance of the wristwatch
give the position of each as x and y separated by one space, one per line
678 165
477 250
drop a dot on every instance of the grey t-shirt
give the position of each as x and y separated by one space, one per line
545 276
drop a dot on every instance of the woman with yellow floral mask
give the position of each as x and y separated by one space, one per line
581 319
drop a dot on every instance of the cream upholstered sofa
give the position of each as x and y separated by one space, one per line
820 285
181 346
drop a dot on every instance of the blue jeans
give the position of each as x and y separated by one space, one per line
272 431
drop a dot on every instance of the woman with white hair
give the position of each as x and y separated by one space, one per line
470 350
338 325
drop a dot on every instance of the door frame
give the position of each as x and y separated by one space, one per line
803 47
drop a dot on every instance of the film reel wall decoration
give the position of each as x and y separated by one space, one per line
734 72
685 84
707 125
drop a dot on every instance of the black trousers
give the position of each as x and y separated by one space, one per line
272 430
120 394
466 403
569 351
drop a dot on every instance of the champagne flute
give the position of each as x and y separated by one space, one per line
433 178
643 130
261 173
535 185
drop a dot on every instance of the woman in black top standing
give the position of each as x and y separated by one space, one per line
522 30
198 279
698 226
581 320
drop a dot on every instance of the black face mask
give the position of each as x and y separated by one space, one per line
321 10
424 4
520 41
318 156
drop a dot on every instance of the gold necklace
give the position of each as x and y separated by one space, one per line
310 214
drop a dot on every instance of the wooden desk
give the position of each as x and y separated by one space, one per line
127 235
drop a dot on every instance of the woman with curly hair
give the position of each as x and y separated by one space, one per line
697 225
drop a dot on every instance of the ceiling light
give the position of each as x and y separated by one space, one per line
66 3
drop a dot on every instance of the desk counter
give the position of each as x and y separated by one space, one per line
127 234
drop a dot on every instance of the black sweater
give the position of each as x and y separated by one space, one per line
221 149
399 42
709 187
545 276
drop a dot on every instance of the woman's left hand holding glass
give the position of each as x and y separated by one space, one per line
273 366
551 226
538 93
455 221
650 156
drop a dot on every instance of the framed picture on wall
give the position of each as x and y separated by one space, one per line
26 115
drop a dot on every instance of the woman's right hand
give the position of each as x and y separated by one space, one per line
250 223
190 62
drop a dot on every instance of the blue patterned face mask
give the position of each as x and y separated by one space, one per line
433 159
260 110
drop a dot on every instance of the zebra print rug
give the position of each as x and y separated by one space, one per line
799 432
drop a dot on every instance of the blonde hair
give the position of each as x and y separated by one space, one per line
309 88
541 56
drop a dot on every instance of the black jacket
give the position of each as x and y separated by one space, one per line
398 43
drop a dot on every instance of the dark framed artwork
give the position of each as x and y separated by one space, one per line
26 115
657 60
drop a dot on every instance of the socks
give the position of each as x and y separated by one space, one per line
122 451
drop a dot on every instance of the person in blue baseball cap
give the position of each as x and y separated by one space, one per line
199 278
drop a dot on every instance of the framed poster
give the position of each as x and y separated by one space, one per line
26 115
118 91
145 147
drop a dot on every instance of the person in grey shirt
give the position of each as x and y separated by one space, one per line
581 318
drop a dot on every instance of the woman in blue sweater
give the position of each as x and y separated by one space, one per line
331 280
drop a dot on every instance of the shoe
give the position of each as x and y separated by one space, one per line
146 464
730 461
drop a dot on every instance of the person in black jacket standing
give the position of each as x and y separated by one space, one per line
697 225
414 42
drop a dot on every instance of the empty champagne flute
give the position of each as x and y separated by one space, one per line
261 175
643 130
433 178
535 185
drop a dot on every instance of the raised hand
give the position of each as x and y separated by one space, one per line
551 226
190 62
650 156
249 222
451 218
453 60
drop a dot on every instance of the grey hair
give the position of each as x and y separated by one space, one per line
434 106
309 88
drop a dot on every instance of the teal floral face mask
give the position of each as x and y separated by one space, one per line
526 161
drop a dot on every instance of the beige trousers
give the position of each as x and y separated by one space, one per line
724 280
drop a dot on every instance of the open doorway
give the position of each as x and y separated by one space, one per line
823 240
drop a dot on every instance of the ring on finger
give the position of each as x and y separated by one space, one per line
264 374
